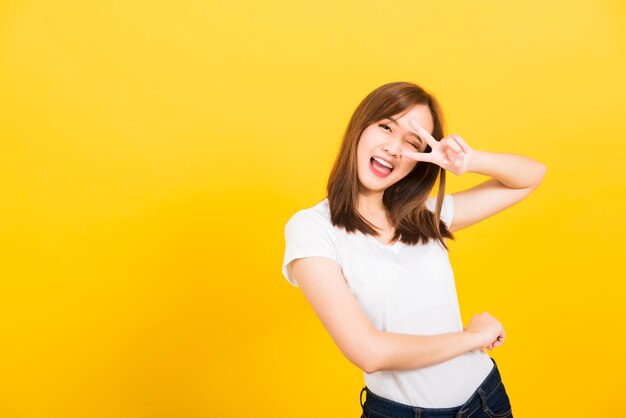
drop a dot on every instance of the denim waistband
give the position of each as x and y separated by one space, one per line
475 402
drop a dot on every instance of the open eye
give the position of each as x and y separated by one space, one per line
382 125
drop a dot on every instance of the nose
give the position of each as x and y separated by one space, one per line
392 146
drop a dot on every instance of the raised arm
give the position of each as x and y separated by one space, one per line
325 288
513 177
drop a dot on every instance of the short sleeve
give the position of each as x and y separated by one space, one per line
306 235
447 208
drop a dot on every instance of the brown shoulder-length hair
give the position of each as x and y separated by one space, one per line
405 200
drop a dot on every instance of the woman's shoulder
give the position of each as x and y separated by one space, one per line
432 200
447 207
318 214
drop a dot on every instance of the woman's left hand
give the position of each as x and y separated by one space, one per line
451 153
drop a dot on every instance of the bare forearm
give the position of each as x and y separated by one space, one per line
394 351
512 170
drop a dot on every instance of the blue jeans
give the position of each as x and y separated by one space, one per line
490 400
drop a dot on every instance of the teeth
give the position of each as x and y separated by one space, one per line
383 162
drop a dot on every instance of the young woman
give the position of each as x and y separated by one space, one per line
371 258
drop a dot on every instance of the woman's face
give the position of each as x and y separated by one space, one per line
386 139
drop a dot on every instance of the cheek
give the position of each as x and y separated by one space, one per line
361 156
408 166
363 144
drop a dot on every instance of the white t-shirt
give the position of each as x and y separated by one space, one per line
401 288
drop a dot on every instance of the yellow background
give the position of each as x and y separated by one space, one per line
151 153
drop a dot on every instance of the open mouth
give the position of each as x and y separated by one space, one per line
380 167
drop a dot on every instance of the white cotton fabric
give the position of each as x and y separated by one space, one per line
403 289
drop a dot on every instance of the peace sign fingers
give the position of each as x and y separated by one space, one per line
466 148
423 133
419 156
451 152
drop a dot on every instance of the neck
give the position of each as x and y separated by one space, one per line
371 204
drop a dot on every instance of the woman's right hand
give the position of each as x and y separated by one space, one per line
488 330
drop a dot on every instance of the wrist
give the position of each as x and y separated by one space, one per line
475 165
473 340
